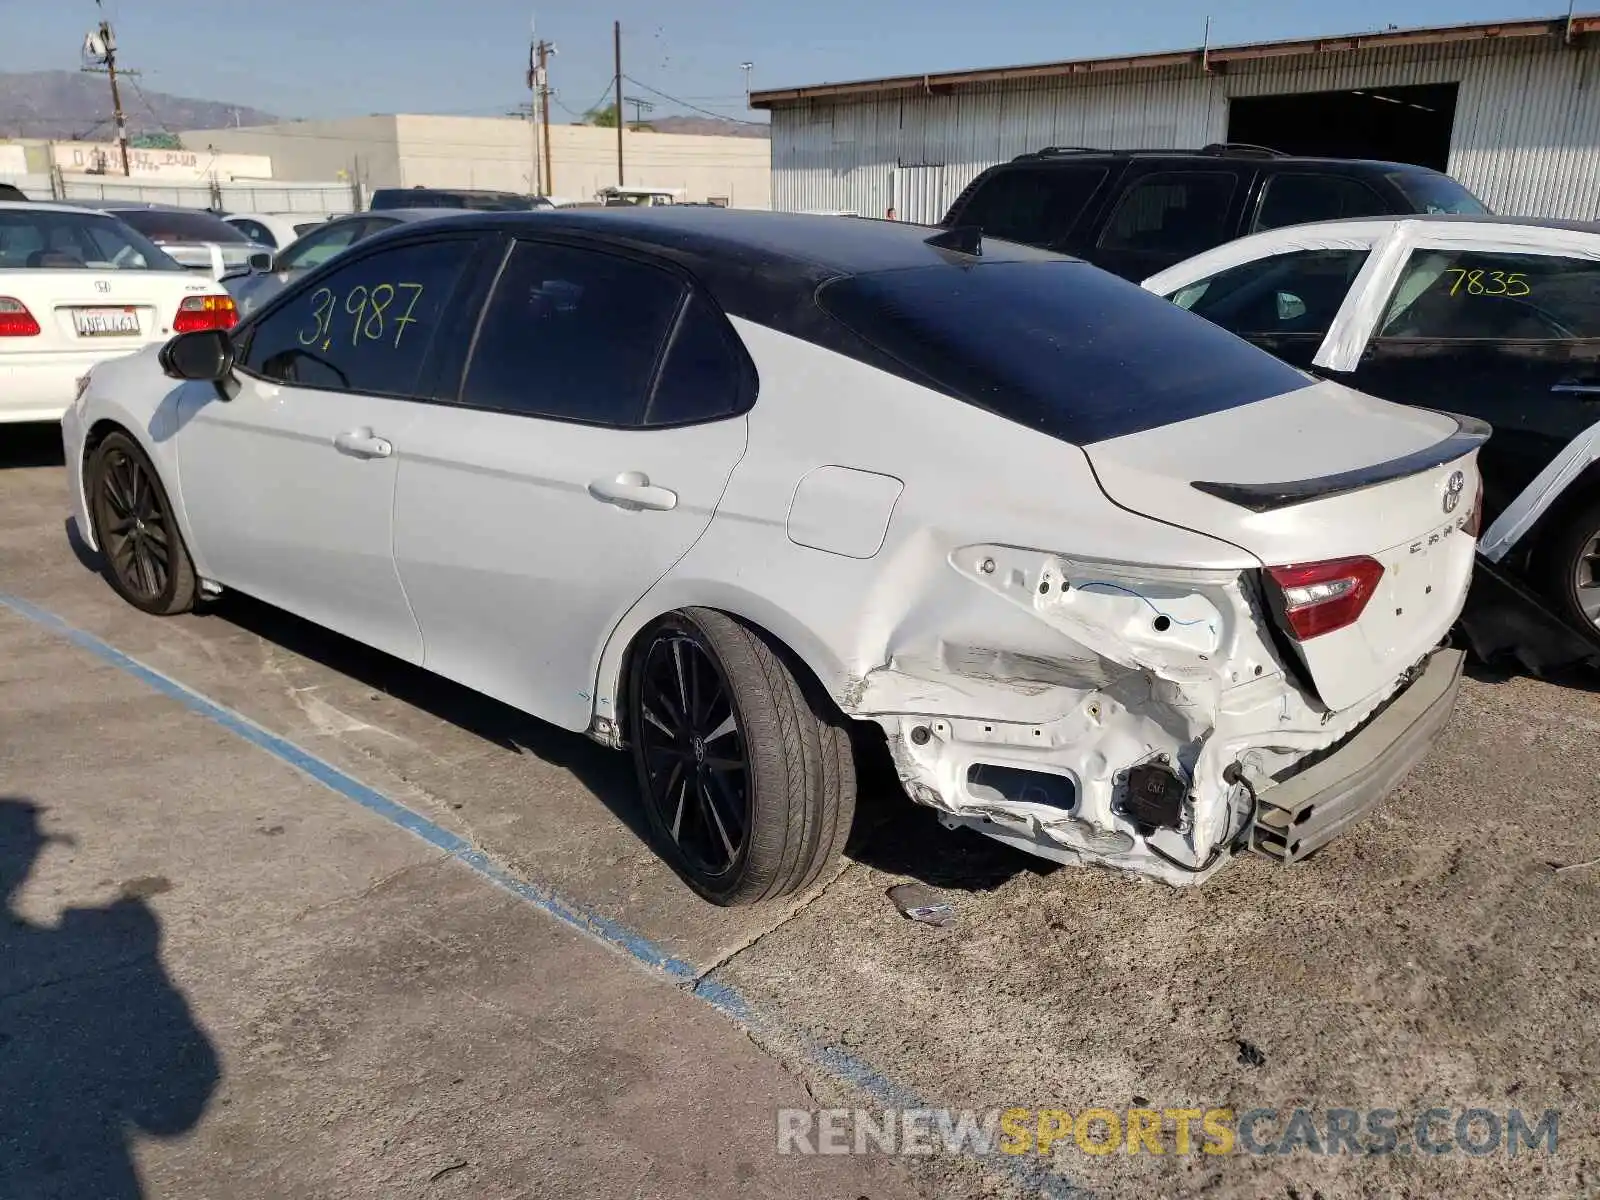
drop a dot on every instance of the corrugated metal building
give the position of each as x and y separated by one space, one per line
1510 109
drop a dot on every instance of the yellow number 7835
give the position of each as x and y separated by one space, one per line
1489 283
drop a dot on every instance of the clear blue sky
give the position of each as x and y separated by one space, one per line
318 58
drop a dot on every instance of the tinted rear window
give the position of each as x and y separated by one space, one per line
432 198
1035 206
161 226
1060 347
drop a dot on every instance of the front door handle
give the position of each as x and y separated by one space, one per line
632 490
1577 387
362 443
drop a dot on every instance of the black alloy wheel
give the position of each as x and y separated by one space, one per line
697 775
745 764
145 559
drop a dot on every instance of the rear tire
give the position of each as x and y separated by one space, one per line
1567 566
746 771
145 559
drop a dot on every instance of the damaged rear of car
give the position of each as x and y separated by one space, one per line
1141 595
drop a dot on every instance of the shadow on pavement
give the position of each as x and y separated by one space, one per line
608 775
96 1044
891 833
30 444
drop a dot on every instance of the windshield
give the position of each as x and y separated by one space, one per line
39 239
163 225
1431 192
1060 347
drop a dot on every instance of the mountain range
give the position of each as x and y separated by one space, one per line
76 105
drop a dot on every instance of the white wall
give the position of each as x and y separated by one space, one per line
1526 136
174 166
497 153
314 150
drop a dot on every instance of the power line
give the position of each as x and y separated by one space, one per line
685 104
584 115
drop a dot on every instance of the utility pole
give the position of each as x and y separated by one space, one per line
539 54
640 107
746 67
100 49
616 39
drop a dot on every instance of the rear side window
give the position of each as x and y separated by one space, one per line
366 327
1431 192
160 225
1060 347
1287 293
1038 206
572 334
255 231
705 374
1299 199
1172 212
1488 296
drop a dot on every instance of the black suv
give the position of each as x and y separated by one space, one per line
11 192
1136 212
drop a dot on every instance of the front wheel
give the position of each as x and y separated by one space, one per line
146 562
747 775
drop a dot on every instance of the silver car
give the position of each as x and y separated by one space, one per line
267 274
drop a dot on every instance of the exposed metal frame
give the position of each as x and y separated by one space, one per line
1210 59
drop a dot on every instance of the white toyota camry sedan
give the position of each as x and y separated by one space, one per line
723 489
78 288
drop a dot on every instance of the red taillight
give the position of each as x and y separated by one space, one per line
1474 522
16 320
205 312
1323 596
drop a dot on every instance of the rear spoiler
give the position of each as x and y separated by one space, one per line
1266 497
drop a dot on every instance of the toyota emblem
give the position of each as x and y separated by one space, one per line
1452 490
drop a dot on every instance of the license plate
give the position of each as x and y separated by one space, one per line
105 322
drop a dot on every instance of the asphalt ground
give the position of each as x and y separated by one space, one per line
329 925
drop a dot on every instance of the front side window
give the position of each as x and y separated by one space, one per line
366 327
1172 212
572 334
1299 199
1060 347
317 248
37 239
1299 292
1038 206
1484 295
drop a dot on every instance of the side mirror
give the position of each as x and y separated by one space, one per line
261 262
204 354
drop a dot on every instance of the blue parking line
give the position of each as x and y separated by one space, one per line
842 1066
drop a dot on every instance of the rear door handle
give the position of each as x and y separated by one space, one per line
362 443
633 490
1577 387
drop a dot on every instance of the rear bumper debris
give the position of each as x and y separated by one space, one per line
1304 812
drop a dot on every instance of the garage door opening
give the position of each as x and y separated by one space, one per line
1399 124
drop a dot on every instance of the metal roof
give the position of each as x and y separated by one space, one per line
1212 59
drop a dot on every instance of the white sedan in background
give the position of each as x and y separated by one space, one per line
1494 317
78 288
1111 585
274 231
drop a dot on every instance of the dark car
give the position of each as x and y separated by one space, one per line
11 192
474 200
1136 212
